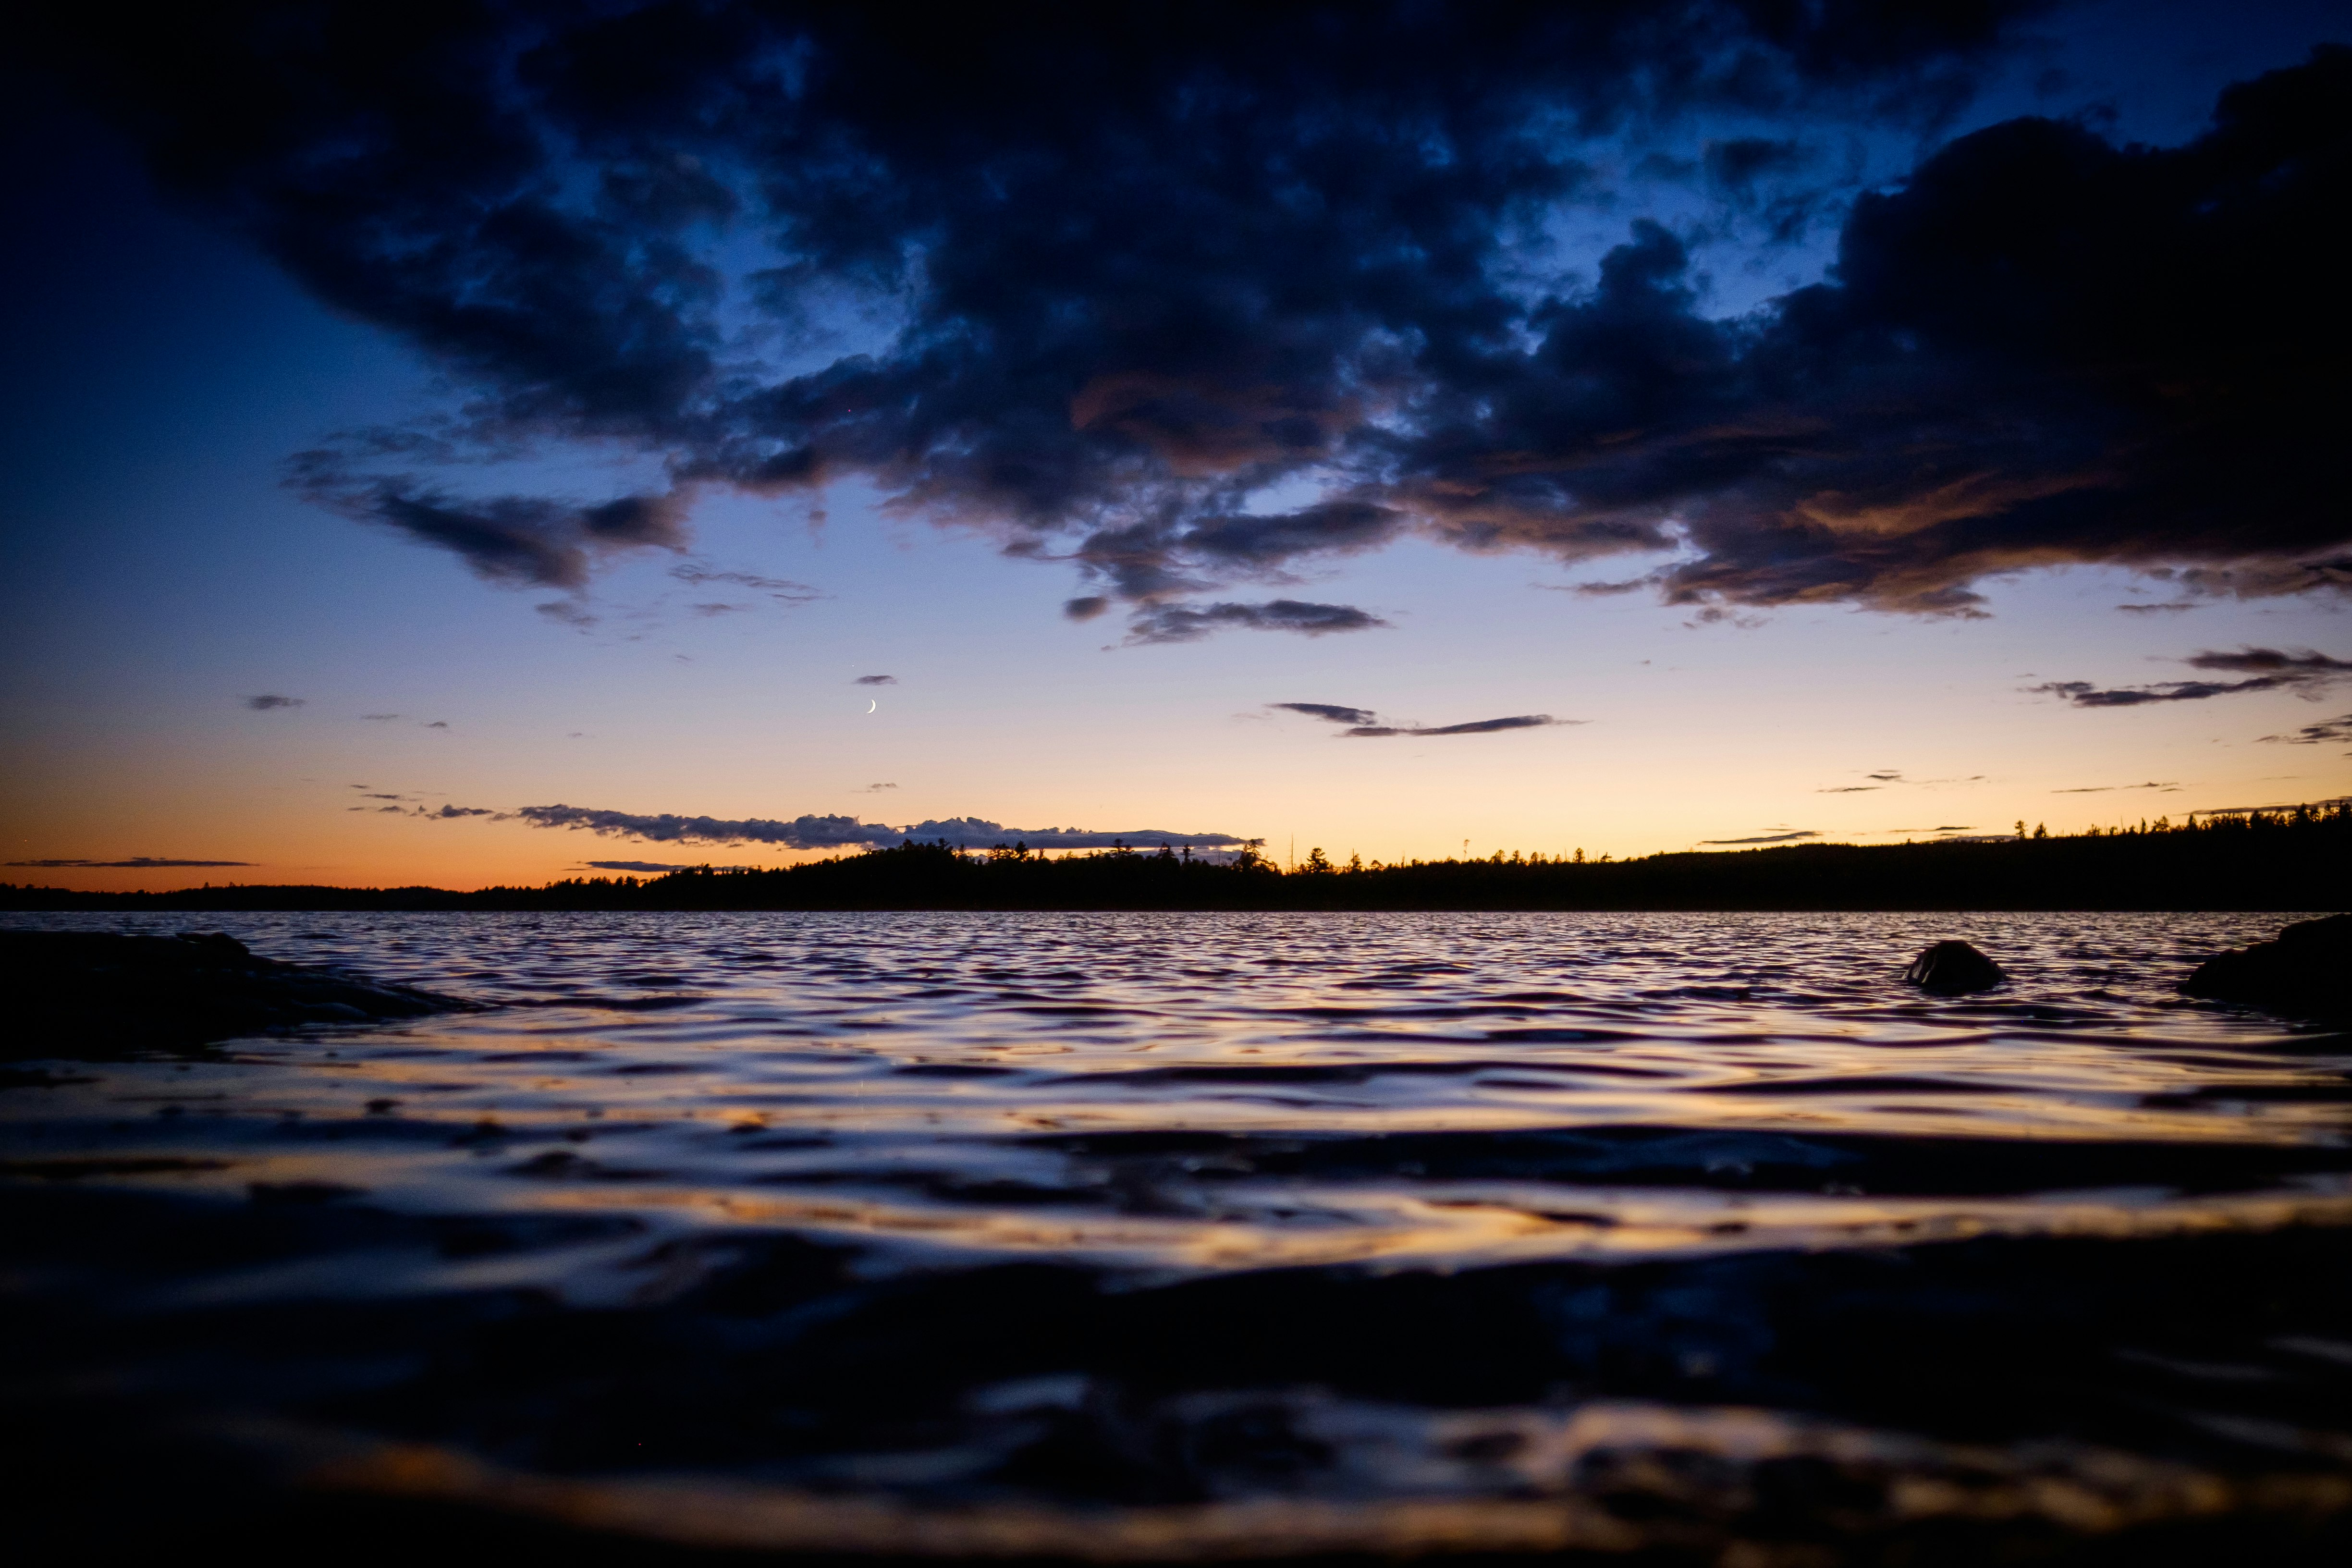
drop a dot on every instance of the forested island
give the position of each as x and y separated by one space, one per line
2291 859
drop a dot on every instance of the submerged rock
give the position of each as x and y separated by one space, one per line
1953 969
2306 972
88 994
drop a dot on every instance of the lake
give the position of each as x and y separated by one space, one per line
1178 1236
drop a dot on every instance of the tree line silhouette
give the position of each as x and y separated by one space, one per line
2290 859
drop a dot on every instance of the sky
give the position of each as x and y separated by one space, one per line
467 445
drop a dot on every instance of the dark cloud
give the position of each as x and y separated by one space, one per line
1756 173
382 718
1476 727
875 680
516 540
2041 349
2320 733
1737 164
1364 724
1849 789
1183 623
800 832
846 832
876 788
2109 789
783 590
2084 694
268 701
573 613
653 866
136 863
1331 712
2308 666
438 724
1776 837
2156 609
1335 527
1122 270
2265 668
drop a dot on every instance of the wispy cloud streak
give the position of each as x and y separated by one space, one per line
2265 670
1363 723
834 832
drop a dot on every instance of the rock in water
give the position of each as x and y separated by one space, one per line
1953 969
2305 974
94 994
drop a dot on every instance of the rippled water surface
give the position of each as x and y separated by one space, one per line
1143 1105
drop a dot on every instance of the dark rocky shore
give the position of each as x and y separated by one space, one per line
86 994
2306 972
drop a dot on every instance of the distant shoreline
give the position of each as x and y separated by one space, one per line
2294 860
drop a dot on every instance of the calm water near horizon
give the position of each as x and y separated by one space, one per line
1659 1152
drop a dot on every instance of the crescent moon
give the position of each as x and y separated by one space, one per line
871 705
